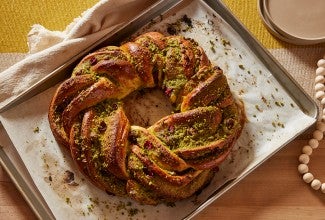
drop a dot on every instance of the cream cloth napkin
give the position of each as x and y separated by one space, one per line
50 49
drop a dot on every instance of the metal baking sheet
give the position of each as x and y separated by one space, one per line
170 14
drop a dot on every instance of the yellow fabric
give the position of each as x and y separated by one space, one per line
17 17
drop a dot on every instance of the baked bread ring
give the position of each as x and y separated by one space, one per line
173 158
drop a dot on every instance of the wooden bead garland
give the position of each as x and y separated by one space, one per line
318 134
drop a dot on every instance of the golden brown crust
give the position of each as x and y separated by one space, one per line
97 166
141 59
115 138
61 99
173 158
204 93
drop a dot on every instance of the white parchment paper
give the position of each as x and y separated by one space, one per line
273 119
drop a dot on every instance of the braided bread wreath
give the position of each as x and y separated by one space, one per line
168 161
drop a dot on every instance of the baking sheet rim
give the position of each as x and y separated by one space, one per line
228 185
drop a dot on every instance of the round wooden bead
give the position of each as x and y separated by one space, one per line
319 94
313 143
315 184
320 71
322 188
320 126
308 177
304 158
307 150
321 63
303 168
322 101
318 135
319 86
319 79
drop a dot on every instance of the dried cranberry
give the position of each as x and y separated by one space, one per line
93 61
171 128
168 91
102 127
148 145
147 171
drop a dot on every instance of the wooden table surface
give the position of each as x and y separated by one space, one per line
275 190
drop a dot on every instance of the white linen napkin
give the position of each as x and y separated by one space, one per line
50 49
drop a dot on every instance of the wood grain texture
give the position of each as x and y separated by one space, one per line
12 204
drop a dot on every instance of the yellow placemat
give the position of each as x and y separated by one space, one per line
18 16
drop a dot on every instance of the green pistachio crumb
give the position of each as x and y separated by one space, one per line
36 130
